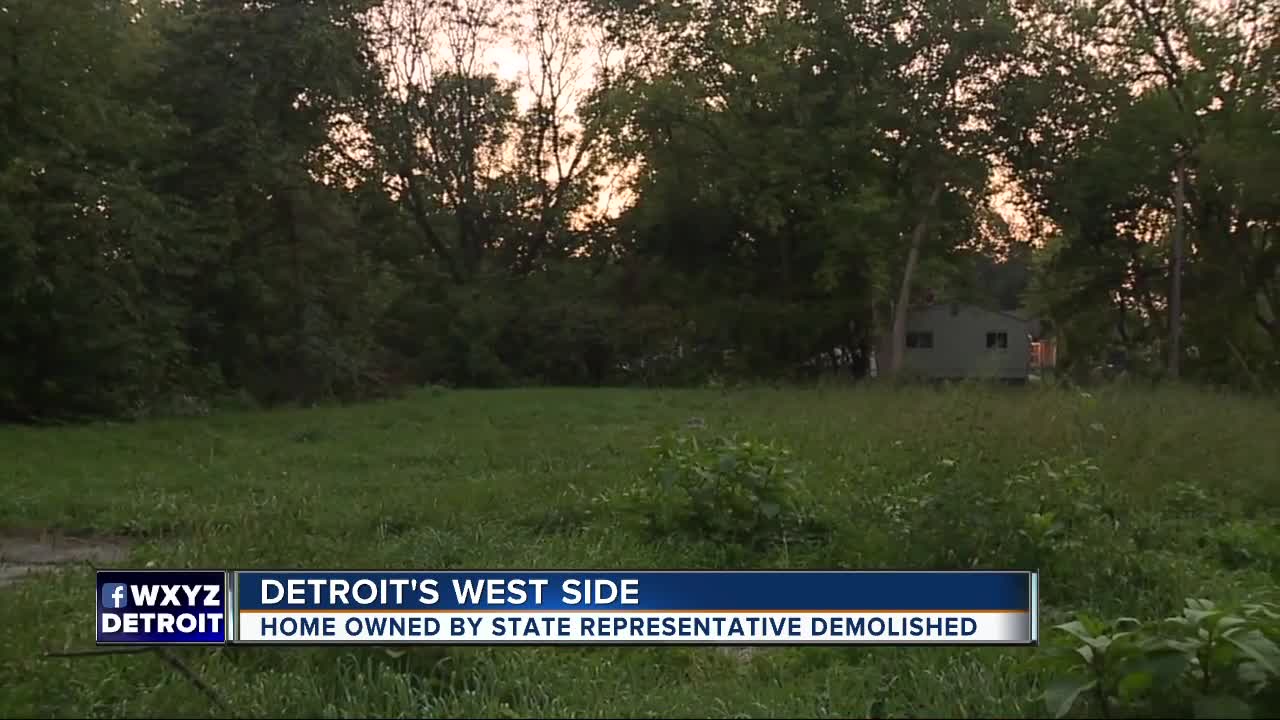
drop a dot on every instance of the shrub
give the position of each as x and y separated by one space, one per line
727 491
1059 516
1205 662
1246 545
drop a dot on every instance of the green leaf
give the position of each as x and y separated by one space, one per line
1251 673
1165 666
1258 647
727 463
1203 617
1222 654
1230 621
1134 684
1263 609
770 510
1076 628
1221 706
1062 694
1102 642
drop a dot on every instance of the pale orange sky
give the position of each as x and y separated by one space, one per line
510 51
508 54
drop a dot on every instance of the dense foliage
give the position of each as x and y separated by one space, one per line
299 201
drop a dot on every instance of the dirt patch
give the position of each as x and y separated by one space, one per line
25 553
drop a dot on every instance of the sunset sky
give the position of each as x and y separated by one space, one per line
511 53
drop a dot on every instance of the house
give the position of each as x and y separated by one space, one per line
1044 355
957 341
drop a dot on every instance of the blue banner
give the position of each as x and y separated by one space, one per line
656 591
161 607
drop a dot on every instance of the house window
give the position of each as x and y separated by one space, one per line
920 340
997 341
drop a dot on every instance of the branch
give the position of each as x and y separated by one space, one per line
89 652
1239 358
195 679
424 224
205 688
1168 62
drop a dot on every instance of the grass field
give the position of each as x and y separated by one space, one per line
1156 496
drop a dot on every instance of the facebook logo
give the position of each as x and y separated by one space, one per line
115 595
167 607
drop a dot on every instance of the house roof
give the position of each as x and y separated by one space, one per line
1034 324
1007 313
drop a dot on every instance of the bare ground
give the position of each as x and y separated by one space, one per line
23 553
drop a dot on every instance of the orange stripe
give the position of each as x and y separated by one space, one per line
664 612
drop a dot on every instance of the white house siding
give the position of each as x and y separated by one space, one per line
959 350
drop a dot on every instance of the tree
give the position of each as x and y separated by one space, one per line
948 61
1161 96
88 324
754 179
808 150
558 158
284 287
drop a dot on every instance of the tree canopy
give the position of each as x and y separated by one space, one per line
332 199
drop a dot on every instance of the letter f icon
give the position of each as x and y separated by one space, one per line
115 595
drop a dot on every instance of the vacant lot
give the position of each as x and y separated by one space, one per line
1129 500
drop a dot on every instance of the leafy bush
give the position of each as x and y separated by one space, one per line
728 491
1240 545
945 517
1205 662
1059 516
954 517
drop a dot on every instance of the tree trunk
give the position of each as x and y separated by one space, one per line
898 340
1175 282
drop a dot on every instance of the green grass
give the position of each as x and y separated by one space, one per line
1188 483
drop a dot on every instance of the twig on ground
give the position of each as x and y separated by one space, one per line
195 679
170 659
98 651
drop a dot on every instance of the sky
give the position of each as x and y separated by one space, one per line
572 47
510 61
511 53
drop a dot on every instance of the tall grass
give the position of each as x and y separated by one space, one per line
1155 496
